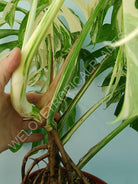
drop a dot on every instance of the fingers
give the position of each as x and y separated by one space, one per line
33 138
9 65
24 137
30 125
33 97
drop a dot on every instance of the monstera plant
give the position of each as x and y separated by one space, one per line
50 36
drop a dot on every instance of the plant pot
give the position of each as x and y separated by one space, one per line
89 176
94 178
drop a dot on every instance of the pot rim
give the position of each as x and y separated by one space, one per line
95 178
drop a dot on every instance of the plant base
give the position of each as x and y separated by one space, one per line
40 173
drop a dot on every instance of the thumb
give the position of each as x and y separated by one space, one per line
8 66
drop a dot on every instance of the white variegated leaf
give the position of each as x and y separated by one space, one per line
72 20
130 106
9 12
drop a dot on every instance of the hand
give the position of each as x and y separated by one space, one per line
11 123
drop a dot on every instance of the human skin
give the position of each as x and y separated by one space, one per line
11 123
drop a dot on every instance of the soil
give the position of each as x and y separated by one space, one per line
33 176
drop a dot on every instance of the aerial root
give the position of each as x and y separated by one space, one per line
36 161
68 163
38 175
70 168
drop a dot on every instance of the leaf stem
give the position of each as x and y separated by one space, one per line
92 152
50 60
71 131
66 77
30 22
80 93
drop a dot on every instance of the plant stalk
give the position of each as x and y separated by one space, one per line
50 60
53 158
30 22
67 159
71 131
80 93
92 152
64 80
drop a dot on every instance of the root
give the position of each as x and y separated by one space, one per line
27 156
43 177
59 176
56 155
36 161
37 177
67 160
64 158
54 160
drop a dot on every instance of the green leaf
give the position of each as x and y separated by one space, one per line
7 32
78 96
91 60
42 5
2 5
116 96
116 73
119 106
16 147
67 74
108 63
117 91
9 12
103 33
136 4
107 80
66 39
134 125
8 45
70 119
2 21
34 144
99 22
76 76
116 80
100 31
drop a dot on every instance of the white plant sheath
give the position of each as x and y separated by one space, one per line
20 76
